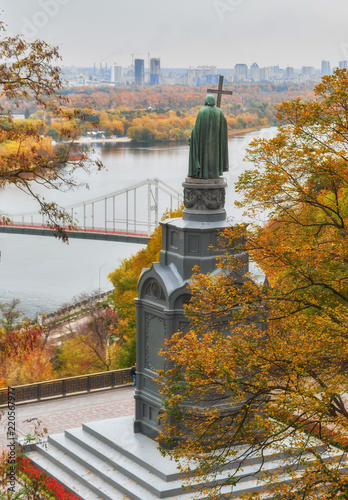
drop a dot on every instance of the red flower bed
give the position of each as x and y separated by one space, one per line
43 483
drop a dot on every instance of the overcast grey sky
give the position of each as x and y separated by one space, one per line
187 32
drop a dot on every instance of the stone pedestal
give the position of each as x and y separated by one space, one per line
204 199
162 289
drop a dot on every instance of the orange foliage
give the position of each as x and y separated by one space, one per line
168 112
258 351
25 357
29 76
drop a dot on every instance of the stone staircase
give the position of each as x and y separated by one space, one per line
106 460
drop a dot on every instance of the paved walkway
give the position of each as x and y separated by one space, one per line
72 411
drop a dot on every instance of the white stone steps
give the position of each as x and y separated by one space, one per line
100 483
90 486
77 442
86 492
133 465
118 434
110 462
71 457
99 457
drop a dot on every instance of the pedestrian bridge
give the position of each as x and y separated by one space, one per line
128 215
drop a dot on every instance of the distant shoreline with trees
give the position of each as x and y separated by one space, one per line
155 115
125 139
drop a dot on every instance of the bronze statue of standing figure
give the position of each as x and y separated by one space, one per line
209 143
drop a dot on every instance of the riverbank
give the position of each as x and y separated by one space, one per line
88 140
242 131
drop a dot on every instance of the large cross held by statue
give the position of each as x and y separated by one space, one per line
219 91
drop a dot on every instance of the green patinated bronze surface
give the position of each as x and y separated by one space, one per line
209 143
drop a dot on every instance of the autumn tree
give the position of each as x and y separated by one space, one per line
94 343
28 74
10 315
166 113
266 364
25 355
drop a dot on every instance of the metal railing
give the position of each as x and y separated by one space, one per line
66 386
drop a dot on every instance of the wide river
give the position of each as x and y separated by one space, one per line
44 273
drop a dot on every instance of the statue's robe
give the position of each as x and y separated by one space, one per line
209 144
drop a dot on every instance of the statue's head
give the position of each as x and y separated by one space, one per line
210 100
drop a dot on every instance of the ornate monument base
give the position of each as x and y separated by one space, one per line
204 199
162 289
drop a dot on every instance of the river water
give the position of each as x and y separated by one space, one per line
44 273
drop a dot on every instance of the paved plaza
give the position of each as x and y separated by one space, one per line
72 411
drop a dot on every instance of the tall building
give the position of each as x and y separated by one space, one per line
139 71
325 68
274 70
240 72
265 74
116 73
308 70
190 75
255 73
289 72
343 64
155 70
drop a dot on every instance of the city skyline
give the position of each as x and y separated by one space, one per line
332 66
202 32
137 75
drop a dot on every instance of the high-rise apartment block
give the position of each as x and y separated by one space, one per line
274 70
325 68
343 64
255 73
116 73
240 72
265 74
155 70
289 73
139 71
308 70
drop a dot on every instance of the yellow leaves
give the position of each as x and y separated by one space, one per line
35 366
25 356
282 346
29 75
30 147
161 127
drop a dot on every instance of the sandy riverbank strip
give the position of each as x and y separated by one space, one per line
243 131
87 140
